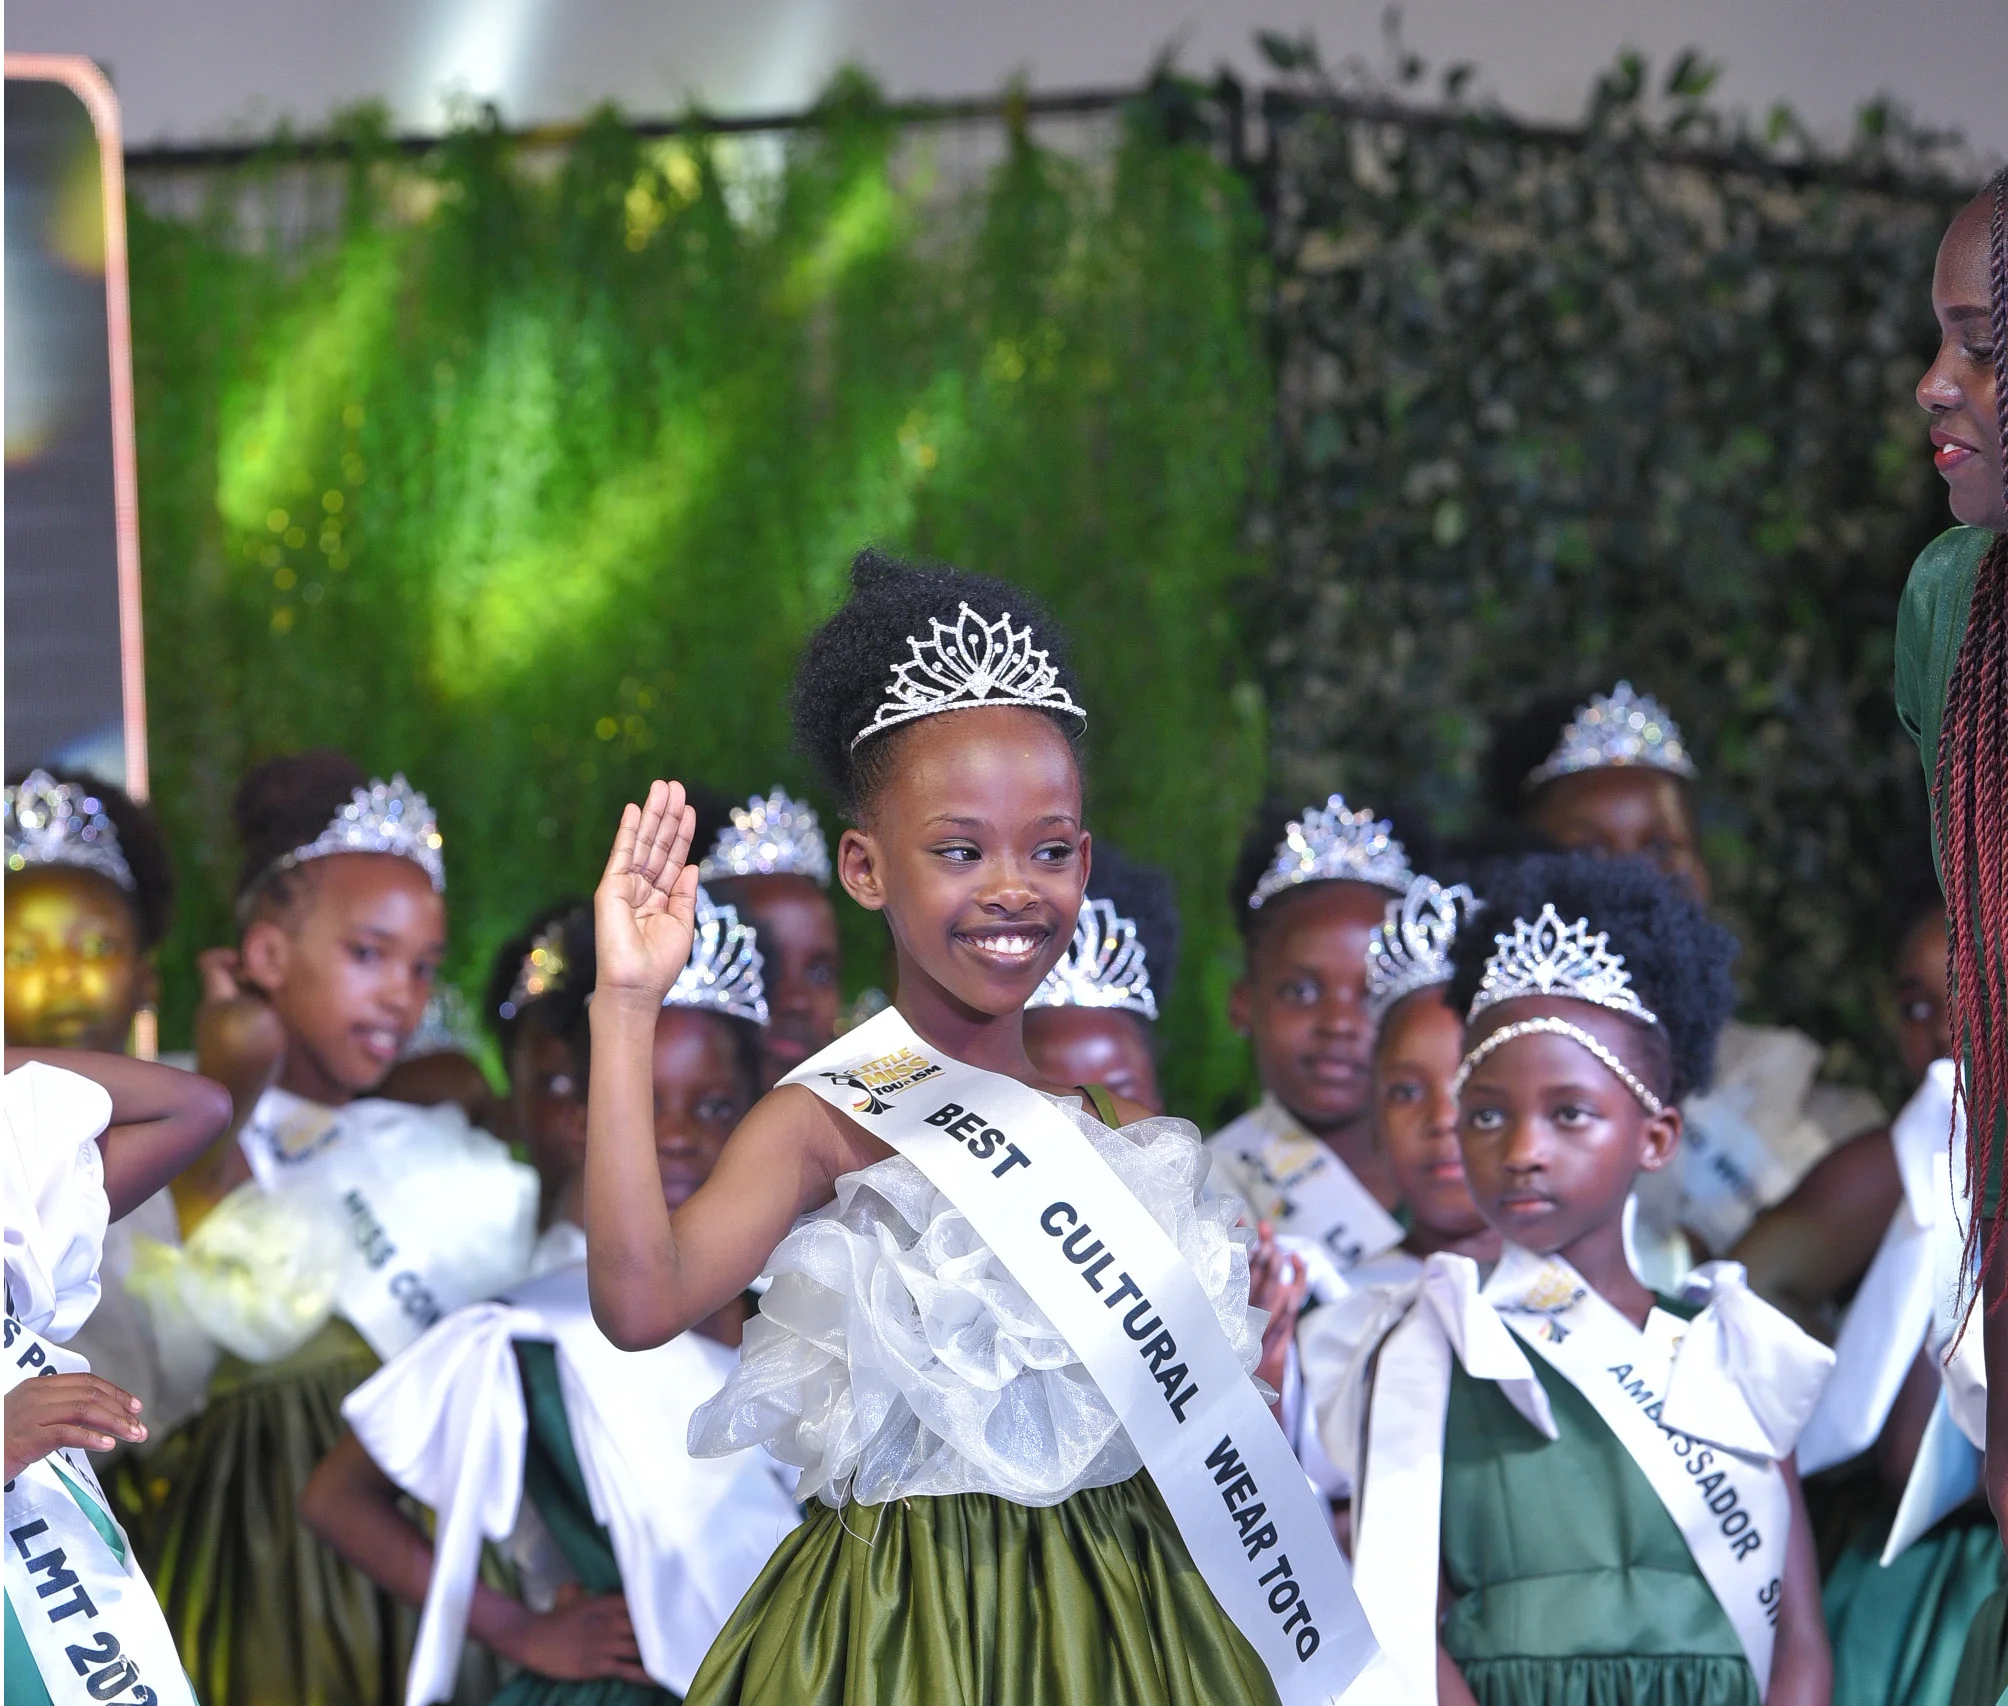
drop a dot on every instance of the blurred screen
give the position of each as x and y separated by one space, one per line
65 698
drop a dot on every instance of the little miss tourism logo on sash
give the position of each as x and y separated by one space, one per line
1706 1409
90 1625
1107 1276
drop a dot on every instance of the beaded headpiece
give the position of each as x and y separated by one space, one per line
63 823
541 973
1548 957
970 662
723 972
1102 967
774 837
386 817
1333 844
1614 730
1410 948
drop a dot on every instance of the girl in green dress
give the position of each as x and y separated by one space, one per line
322 1233
983 1528
1952 695
517 1393
1568 1489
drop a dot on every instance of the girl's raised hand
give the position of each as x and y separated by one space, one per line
645 909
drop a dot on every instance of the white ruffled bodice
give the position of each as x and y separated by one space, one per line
895 1356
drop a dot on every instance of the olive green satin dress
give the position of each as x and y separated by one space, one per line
974 1601
263 1612
1572 1585
554 1483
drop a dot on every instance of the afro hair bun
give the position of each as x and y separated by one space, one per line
1678 957
285 802
848 663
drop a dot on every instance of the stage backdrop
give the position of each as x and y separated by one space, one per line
523 466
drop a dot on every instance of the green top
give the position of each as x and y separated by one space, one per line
554 1483
1930 623
1570 1581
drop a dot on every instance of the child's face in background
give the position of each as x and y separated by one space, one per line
795 927
1303 1001
1923 1018
547 1104
75 972
1552 1139
348 969
975 853
702 1091
1624 809
1090 1045
1416 1054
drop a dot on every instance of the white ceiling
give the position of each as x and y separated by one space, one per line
204 70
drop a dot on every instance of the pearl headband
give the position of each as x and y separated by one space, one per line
1555 1028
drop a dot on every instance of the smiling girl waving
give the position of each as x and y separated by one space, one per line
1005 1341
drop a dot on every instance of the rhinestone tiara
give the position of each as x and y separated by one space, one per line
970 662
1614 730
542 972
1102 967
1410 948
723 972
386 817
774 837
1548 957
63 823
1332 844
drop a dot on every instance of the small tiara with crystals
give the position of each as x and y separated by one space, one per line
1332 844
1617 729
542 972
1410 948
774 837
1102 967
970 662
723 972
386 817
63 823
1549 957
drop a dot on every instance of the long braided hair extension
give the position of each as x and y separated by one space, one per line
1972 788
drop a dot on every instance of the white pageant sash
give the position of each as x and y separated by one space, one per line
446 1421
1115 1286
1292 1180
1704 1408
91 1622
409 1267
1721 1484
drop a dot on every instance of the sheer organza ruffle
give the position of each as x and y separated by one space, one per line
894 1356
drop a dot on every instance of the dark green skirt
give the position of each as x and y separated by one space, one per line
975 1601
1983 1667
264 1614
1898 1633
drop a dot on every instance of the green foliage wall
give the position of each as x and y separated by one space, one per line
530 481
1556 409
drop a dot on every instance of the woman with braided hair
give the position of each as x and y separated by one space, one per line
1952 694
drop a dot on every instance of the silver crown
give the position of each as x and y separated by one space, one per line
1410 948
386 817
1102 967
63 823
1335 845
541 973
1549 957
1617 729
774 837
970 662
723 972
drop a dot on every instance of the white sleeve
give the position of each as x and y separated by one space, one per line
53 1180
